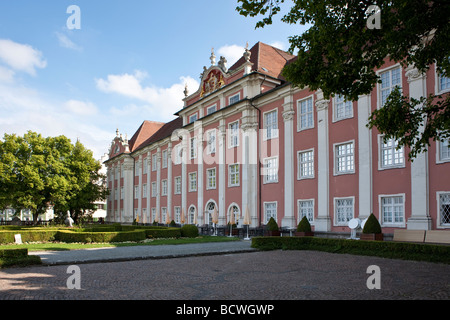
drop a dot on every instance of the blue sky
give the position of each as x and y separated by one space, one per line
128 63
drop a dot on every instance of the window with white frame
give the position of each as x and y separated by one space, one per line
211 140
178 153
233 173
145 166
392 210
144 190
306 209
164 159
444 209
235 98
211 178
137 167
177 211
390 155
154 189
305 113
306 164
191 215
122 190
343 109
193 118
344 158
211 109
343 210
270 211
193 181
154 162
444 150
233 131
136 192
164 187
444 83
163 214
193 148
177 185
271 124
153 217
389 80
271 170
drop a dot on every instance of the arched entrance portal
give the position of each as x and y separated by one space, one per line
209 209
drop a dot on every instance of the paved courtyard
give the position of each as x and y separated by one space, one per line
273 275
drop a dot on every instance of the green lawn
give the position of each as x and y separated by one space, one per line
60 246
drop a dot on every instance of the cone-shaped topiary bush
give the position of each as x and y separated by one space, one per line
304 225
372 225
272 225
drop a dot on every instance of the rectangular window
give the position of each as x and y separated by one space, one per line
234 99
306 164
344 158
164 187
164 159
392 210
233 172
270 211
154 189
343 109
178 154
444 150
211 178
144 191
177 185
390 156
211 109
136 192
145 166
271 170
154 162
193 118
233 131
305 112
153 214
137 167
444 209
193 181
343 211
121 193
193 148
177 211
389 80
163 214
306 209
444 83
211 139
271 124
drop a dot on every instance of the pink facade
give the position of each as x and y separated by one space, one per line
248 140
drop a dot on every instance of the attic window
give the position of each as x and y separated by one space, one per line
264 69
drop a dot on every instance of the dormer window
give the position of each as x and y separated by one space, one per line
235 98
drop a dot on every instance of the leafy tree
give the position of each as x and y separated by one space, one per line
340 52
38 172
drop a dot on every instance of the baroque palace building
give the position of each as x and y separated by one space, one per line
249 140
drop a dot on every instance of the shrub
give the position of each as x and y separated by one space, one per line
304 225
272 225
189 231
372 225
100 237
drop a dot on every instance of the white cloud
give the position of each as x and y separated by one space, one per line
231 52
160 103
65 42
280 45
81 107
21 57
6 75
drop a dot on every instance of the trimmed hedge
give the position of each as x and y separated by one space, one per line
189 231
28 235
100 237
17 257
385 249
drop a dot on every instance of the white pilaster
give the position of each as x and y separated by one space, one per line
288 220
323 220
420 218
365 158
221 135
128 186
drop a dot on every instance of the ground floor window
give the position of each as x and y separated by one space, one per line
444 208
270 211
343 210
306 209
392 210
